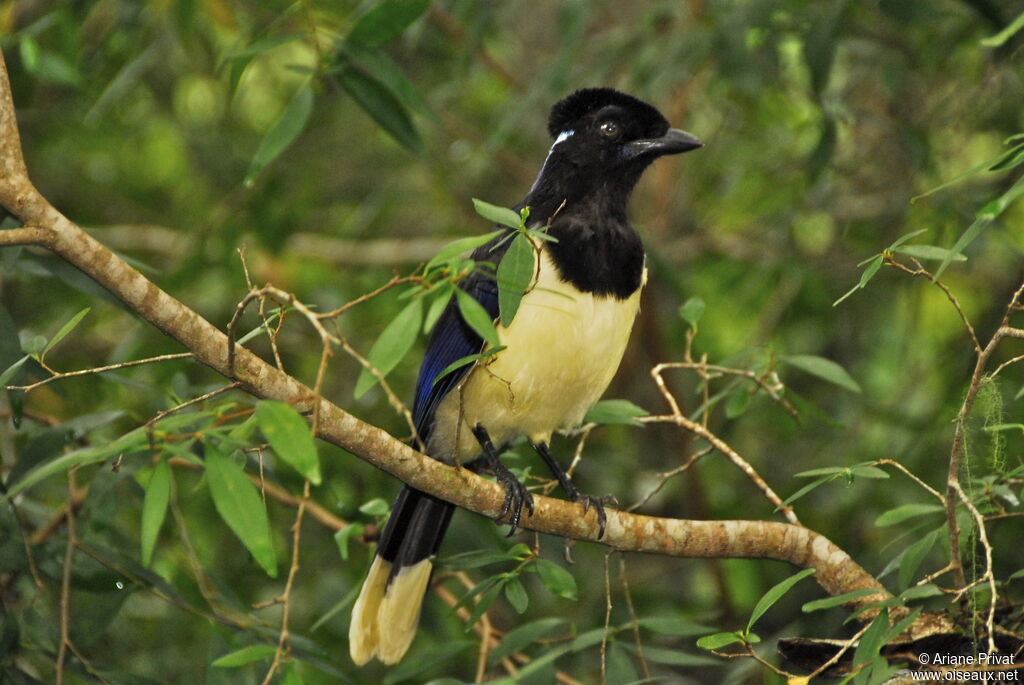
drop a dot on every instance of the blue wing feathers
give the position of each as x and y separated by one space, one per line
453 339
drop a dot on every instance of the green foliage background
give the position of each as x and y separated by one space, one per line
156 124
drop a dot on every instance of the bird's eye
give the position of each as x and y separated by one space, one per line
609 129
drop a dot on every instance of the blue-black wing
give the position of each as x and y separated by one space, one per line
452 338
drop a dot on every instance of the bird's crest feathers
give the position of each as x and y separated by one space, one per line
570 109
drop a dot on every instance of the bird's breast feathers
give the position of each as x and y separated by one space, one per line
561 351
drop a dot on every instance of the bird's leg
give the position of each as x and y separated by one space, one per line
516 494
566 482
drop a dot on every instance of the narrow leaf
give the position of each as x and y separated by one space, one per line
342 537
920 592
872 641
775 594
459 247
823 368
154 508
913 557
615 412
515 272
245 655
476 559
386 21
482 605
474 314
12 370
904 512
556 579
64 330
497 215
929 252
290 436
382 106
394 343
874 264
1000 38
838 600
375 507
985 217
440 298
468 359
518 639
282 133
670 625
238 503
719 640
516 595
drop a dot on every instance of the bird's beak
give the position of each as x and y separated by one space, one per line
672 143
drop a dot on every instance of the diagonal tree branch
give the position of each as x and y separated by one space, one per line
836 572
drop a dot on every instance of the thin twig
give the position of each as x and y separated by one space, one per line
98 369
634 620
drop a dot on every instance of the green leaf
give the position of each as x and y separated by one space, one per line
64 330
154 508
518 639
774 595
904 512
238 503
874 264
719 640
929 252
671 625
468 359
382 106
691 311
615 412
498 215
985 217
12 370
290 436
872 641
376 63
392 345
1000 38
823 368
290 674
385 22
282 133
556 579
375 507
737 404
904 238
342 537
474 314
809 487
861 471
483 604
459 247
920 592
245 655
440 299
477 559
516 595
914 555
425 660
673 657
838 600
515 273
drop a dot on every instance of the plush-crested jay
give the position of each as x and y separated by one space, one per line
561 349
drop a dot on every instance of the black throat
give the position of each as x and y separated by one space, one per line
598 251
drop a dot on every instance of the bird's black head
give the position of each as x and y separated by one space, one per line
604 140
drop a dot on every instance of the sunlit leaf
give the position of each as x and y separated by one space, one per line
719 640
929 252
459 247
64 330
497 215
245 655
375 507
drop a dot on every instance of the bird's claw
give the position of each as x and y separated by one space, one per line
516 497
598 503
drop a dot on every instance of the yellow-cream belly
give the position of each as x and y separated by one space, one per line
561 351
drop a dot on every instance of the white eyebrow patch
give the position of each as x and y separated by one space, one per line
563 136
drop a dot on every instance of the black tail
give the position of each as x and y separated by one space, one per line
385 615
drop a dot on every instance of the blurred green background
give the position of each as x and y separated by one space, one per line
143 121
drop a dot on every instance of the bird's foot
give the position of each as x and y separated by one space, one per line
598 503
516 497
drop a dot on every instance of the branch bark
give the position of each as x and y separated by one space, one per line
836 572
